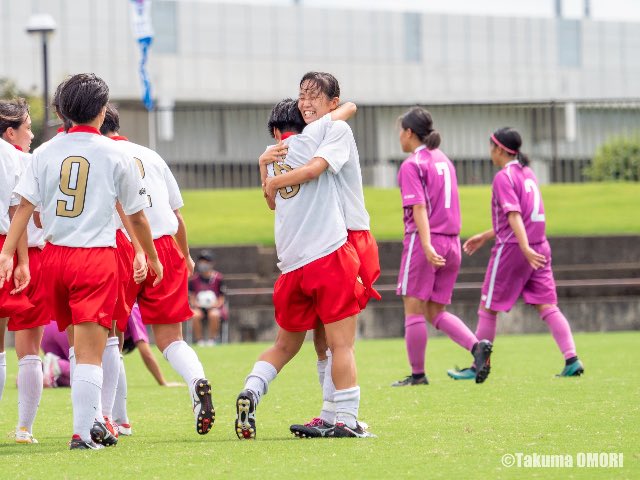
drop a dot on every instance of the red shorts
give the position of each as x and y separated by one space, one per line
367 250
81 284
12 304
169 301
127 288
38 316
325 290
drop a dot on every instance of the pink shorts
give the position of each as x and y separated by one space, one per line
509 276
419 279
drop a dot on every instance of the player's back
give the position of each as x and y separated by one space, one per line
35 235
77 180
441 192
9 175
161 188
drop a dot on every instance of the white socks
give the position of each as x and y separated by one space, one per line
120 405
72 363
111 372
184 360
328 413
29 389
261 376
322 368
347 404
3 371
85 396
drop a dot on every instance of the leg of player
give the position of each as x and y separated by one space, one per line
213 315
120 415
416 338
184 360
485 330
561 331
89 343
3 356
457 331
111 372
196 323
264 371
29 381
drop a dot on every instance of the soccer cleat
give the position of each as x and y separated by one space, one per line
124 429
316 428
574 370
464 374
203 411
482 360
409 380
246 415
103 434
342 431
23 436
77 443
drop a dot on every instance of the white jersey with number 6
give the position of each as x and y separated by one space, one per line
77 180
9 176
163 194
35 235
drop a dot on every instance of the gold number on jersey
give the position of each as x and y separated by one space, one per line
74 174
142 174
285 192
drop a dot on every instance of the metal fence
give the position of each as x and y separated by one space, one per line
217 146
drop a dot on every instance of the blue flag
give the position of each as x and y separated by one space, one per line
143 32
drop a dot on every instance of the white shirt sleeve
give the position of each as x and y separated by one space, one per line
28 186
130 190
175 197
335 148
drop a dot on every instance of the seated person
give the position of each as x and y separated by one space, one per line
207 294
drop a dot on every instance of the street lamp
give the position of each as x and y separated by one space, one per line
43 24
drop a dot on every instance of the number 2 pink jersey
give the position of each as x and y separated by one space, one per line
515 189
429 178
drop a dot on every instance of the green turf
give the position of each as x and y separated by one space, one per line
449 430
225 217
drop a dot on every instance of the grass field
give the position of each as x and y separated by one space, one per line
445 430
240 216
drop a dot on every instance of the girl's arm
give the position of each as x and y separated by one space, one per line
139 259
344 111
183 243
535 259
422 222
474 243
17 240
299 175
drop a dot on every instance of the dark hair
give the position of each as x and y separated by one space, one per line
13 113
323 82
55 103
285 116
82 97
510 138
420 122
111 122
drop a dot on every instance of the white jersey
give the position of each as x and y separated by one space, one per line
35 235
342 156
9 177
309 220
77 180
58 135
162 189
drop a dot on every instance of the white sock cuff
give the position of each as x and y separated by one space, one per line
329 406
346 394
86 372
111 341
265 372
329 352
170 347
72 352
3 359
323 363
27 359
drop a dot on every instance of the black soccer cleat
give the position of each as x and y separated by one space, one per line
77 443
411 381
203 410
102 435
246 415
342 431
482 360
316 428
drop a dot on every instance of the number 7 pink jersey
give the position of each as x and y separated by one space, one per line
429 178
515 189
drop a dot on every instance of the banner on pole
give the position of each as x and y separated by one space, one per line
143 33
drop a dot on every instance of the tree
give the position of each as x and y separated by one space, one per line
616 159
9 90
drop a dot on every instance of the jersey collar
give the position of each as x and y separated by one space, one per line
119 137
84 129
512 162
287 135
18 147
421 147
60 130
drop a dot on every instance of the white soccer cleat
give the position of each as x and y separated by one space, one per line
24 436
124 428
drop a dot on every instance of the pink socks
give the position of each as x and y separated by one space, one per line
560 330
455 329
486 329
415 335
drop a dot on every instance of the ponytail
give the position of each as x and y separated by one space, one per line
509 140
421 124
523 159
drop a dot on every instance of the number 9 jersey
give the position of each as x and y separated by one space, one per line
77 180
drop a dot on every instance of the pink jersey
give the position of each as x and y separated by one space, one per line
515 189
429 178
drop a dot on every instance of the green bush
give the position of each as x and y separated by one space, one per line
616 159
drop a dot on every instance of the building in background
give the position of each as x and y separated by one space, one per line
566 83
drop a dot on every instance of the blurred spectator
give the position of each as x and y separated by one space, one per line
207 295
